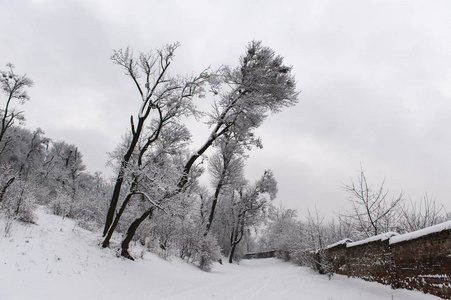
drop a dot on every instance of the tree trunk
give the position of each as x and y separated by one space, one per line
131 232
232 252
106 241
237 235
184 179
20 200
114 200
213 207
120 179
19 203
120 176
5 187
6 124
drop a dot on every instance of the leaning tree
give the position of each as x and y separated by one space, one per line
246 94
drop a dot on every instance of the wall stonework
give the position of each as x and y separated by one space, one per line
369 261
419 261
338 258
425 263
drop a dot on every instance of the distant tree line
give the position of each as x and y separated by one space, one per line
35 170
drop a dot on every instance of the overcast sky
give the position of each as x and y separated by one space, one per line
375 79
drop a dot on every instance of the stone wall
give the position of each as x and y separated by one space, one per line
369 261
424 263
337 256
420 260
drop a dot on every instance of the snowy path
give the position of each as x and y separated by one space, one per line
275 279
58 260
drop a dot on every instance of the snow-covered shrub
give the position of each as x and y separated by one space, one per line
20 207
147 235
25 210
323 263
89 212
207 252
188 239
61 205
159 235
7 178
18 201
86 208
187 245
303 257
173 235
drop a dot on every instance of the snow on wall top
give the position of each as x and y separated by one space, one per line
341 242
379 237
422 232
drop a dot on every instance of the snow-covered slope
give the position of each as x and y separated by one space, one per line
57 260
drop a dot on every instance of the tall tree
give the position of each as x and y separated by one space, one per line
261 84
165 95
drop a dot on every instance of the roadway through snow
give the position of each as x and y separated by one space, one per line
274 279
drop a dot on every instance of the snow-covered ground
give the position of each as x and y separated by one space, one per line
56 259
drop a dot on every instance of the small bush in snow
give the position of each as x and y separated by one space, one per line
61 205
19 203
208 252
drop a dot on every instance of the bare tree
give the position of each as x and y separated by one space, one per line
372 211
420 215
13 86
261 84
316 230
168 96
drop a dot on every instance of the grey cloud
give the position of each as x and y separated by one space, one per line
374 75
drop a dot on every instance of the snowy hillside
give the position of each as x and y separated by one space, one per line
55 259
